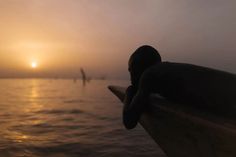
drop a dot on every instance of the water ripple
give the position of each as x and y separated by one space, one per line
55 111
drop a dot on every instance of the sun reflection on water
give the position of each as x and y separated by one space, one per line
34 89
52 117
34 105
17 137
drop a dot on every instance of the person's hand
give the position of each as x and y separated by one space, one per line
129 94
130 118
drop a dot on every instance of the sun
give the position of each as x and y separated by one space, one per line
34 65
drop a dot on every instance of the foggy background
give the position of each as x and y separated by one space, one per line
100 35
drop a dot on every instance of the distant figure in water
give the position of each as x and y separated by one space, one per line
84 78
177 82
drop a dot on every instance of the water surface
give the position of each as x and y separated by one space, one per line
61 118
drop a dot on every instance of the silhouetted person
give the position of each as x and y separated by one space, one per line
177 82
84 78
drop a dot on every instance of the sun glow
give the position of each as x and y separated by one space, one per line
34 65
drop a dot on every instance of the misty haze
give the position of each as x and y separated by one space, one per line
76 80
63 36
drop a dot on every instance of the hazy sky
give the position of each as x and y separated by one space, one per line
100 35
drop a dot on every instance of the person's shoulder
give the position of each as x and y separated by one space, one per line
163 64
173 63
168 67
159 68
176 65
167 63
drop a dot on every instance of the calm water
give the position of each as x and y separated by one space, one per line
60 118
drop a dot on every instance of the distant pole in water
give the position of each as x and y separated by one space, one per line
84 78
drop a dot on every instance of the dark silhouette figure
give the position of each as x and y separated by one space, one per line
177 82
84 77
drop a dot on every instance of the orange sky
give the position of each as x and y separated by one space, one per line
99 35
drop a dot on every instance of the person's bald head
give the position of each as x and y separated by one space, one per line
142 58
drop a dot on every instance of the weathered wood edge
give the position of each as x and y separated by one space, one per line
183 133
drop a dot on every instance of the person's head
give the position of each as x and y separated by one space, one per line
142 58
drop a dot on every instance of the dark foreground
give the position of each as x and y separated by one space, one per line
187 130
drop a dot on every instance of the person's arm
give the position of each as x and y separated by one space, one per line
127 111
137 100
133 107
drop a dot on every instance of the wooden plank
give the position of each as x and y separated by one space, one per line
184 131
